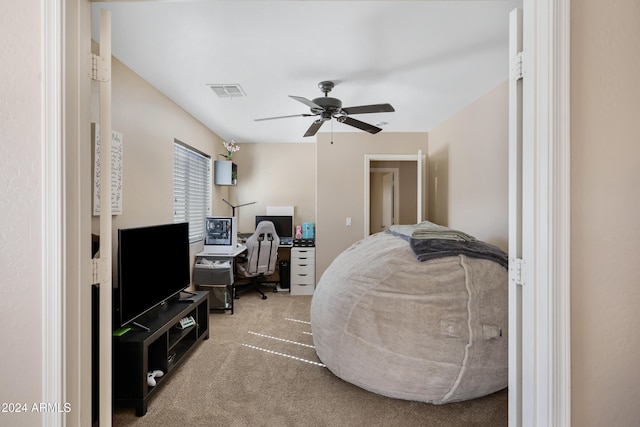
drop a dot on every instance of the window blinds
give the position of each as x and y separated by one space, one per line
191 189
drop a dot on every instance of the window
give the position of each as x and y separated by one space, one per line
191 188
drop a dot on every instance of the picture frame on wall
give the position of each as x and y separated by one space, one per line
116 170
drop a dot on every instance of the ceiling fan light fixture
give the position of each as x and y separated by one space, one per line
327 107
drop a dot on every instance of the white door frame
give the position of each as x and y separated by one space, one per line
106 229
53 340
547 55
515 217
421 188
545 357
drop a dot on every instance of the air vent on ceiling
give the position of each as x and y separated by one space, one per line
228 91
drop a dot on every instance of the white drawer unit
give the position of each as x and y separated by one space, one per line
303 270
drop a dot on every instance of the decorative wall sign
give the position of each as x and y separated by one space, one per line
116 171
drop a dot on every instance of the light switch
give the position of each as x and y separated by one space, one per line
348 221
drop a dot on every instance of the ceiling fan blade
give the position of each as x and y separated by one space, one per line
358 124
284 117
306 102
313 129
375 108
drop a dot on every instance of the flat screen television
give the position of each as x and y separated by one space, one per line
283 224
153 266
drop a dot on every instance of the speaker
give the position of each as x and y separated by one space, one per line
285 274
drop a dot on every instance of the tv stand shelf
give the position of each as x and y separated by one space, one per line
163 347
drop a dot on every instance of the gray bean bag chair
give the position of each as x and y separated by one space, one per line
430 331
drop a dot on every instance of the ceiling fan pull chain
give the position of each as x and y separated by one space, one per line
331 132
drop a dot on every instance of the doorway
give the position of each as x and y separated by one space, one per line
404 201
385 198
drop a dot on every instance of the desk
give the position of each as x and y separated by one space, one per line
214 272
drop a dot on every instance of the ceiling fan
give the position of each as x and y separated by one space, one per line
327 108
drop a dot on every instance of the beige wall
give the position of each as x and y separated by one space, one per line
340 185
288 174
468 154
149 122
20 209
274 175
605 206
468 169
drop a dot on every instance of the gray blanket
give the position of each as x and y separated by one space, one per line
429 230
431 241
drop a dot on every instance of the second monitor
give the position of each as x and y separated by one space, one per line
283 225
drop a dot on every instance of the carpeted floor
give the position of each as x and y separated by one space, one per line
259 368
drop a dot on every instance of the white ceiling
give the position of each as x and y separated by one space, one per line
428 59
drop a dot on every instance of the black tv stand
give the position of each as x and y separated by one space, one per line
162 347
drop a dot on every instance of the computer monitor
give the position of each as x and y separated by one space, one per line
220 235
282 223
